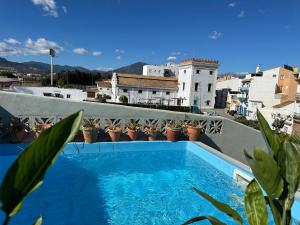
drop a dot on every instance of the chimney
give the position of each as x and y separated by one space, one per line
257 68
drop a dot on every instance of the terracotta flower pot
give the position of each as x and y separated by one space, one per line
40 128
172 134
193 133
114 134
152 135
90 135
17 134
133 134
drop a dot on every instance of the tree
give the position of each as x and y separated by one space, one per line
123 99
278 124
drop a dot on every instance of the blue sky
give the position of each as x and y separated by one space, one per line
113 33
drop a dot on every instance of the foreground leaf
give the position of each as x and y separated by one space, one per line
211 219
266 171
255 205
222 207
289 162
273 140
28 170
39 221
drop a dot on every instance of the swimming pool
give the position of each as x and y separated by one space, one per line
129 183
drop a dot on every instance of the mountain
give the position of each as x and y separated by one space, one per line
44 68
136 68
37 67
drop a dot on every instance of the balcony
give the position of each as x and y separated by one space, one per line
297 116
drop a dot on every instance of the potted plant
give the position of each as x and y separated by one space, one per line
90 131
16 130
133 129
193 130
39 128
152 132
114 133
173 131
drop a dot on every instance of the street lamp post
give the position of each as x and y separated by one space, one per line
52 55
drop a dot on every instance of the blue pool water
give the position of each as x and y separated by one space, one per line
135 187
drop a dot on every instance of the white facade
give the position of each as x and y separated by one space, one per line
167 70
197 84
262 91
135 94
72 94
234 84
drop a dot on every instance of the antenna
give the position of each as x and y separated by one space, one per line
52 55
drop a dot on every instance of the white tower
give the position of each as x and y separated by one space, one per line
257 68
197 83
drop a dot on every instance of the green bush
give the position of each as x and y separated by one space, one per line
250 123
123 99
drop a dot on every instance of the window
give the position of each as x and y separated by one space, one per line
274 75
195 102
68 96
107 89
183 86
184 71
125 90
197 71
209 87
196 86
167 93
154 92
48 94
140 91
211 72
100 88
207 102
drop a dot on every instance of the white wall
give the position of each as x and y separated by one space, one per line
188 75
263 89
159 70
234 84
74 94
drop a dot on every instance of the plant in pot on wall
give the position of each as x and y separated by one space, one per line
173 131
16 130
114 133
193 130
133 129
152 131
39 128
90 130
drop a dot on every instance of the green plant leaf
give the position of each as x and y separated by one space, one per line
255 205
222 207
211 219
289 163
266 171
39 221
274 141
28 170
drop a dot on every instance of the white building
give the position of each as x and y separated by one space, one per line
72 94
144 89
197 83
104 88
167 70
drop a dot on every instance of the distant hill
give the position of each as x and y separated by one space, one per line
135 68
44 68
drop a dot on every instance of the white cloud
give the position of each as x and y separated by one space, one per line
215 35
6 50
101 68
80 51
242 14
97 53
49 6
12 41
40 47
231 5
119 53
171 58
64 8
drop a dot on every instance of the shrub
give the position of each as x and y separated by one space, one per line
123 99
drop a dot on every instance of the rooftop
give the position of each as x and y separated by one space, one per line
147 81
192 60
